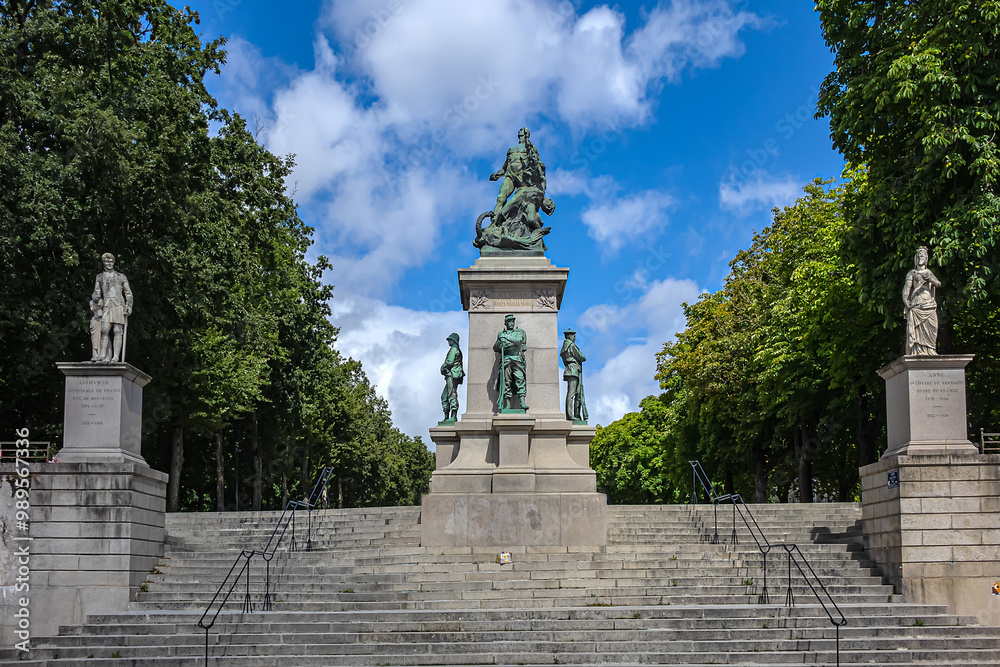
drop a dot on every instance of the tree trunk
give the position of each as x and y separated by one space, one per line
868 428
340 494
805 467
176 465
255 450
760 485
220 474
305 472
730 485
284 477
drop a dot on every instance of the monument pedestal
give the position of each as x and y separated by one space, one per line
518 479
932 524
931 504
97 531
102 417
925 405
98 515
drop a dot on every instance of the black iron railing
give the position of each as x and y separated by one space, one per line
242 572
794 554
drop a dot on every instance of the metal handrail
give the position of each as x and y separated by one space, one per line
266 555
764 546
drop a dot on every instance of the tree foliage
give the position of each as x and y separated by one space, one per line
109 140
913 103
770 383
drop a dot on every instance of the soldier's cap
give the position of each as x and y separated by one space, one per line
453 337
569 331
509 317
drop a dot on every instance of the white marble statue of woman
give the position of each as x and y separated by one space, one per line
921 307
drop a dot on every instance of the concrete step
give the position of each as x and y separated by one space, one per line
658 593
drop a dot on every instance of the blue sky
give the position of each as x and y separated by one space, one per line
668 130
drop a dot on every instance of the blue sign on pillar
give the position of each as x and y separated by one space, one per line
893 479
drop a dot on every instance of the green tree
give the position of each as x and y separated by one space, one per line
913 103
105 145
630 458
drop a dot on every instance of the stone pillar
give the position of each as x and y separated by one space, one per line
97 531
930 505
102 417
932 523
513 479
925 405
97 516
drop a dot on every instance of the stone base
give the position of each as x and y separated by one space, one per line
102 419
936 536
514 519
925 405
97 530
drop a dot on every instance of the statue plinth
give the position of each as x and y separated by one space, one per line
510 478
102 418
925 405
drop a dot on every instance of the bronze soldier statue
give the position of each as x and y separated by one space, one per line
511 344
453 374
576 403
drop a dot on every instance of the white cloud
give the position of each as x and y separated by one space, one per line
404 93
401 351
615 222
760 192
627 377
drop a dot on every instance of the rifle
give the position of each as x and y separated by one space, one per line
500 378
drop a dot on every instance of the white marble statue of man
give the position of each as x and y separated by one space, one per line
921 307
114 297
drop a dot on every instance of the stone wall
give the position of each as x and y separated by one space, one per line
936 537
97 531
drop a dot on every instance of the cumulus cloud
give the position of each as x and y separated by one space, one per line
404 94
650 321
616 222
760 192
401 351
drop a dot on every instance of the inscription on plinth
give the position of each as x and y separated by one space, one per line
102 417
925 404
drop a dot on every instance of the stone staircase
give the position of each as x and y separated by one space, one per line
660 592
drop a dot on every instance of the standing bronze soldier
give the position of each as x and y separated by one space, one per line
576 403
453 374
511 344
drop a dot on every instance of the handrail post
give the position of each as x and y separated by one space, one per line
715 511
267 582
309 532
247 602
763 597
735 539
789 597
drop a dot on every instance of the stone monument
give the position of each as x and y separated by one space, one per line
111 304
925 391
97 516
931 504
513 471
